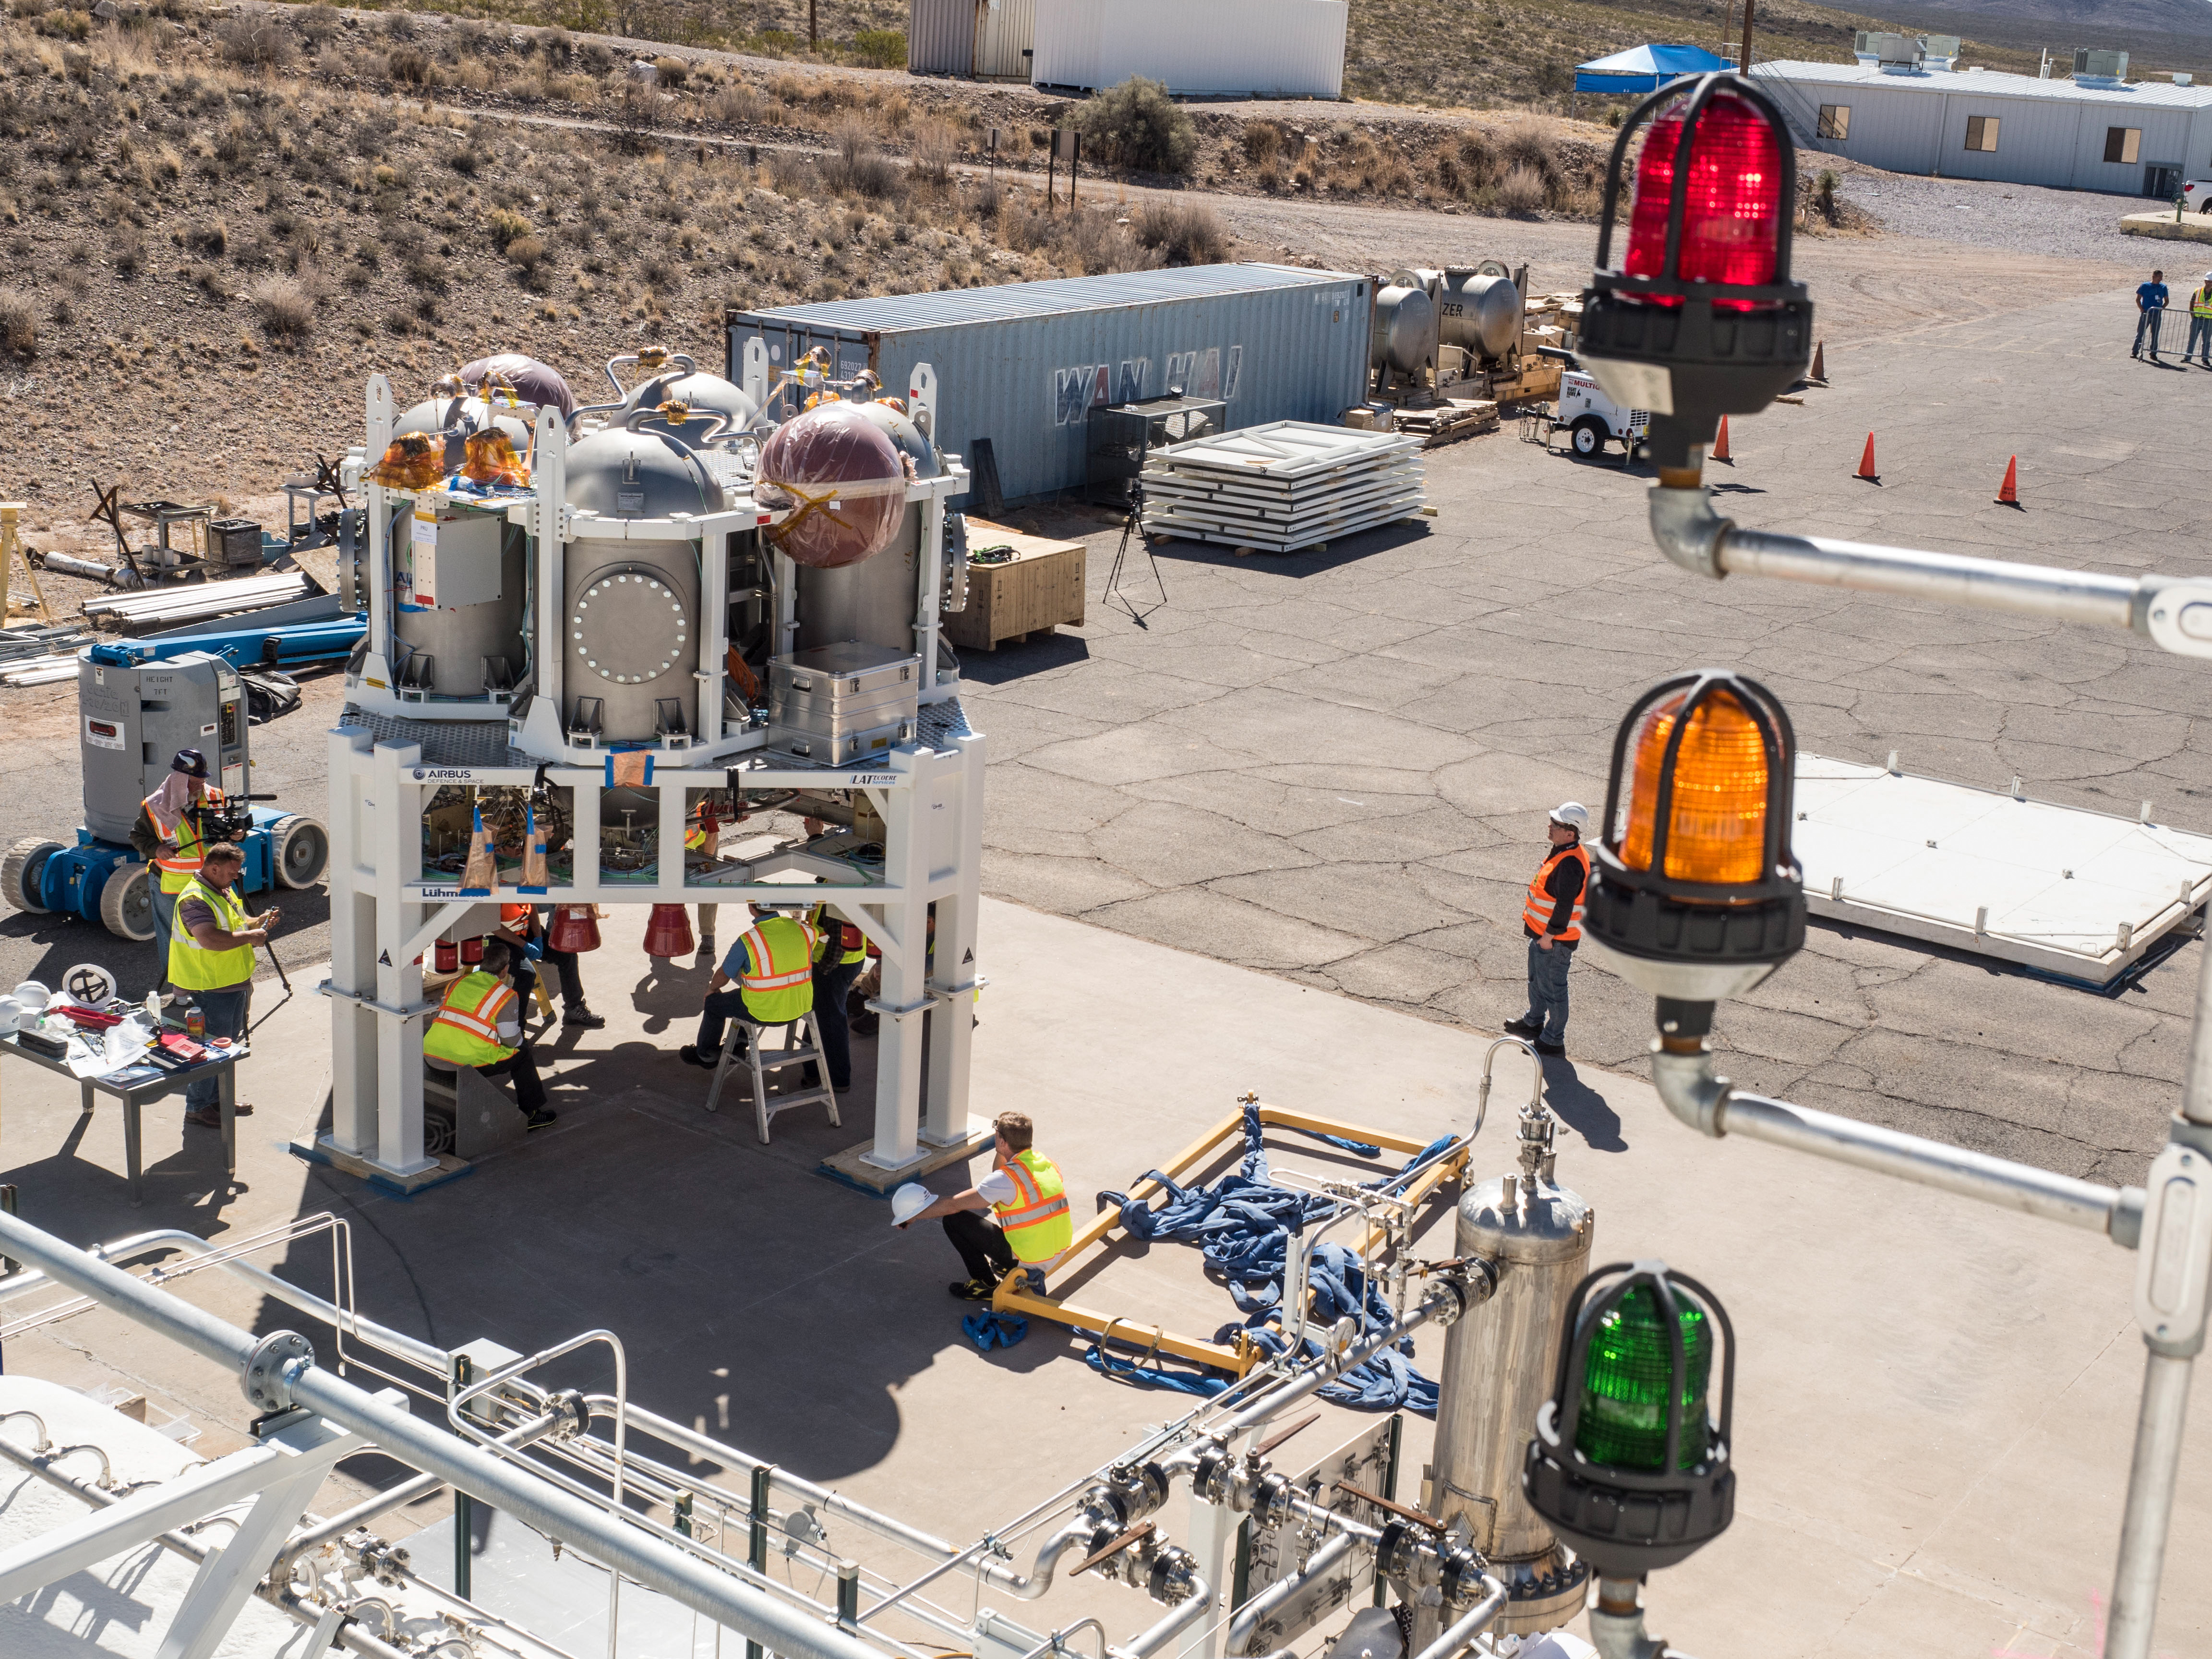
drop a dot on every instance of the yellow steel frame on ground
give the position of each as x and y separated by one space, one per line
1013 1298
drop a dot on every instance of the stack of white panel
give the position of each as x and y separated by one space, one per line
1282 486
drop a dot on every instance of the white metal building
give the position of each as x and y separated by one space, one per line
2130 139
1281 48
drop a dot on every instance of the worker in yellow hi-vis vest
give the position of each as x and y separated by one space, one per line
771 971
1015 1217
2200 324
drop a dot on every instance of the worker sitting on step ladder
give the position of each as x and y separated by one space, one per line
772 969
1015 1215
481 1025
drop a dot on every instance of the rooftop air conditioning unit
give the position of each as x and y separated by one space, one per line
1938 51
2091 65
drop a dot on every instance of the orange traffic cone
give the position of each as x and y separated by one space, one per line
1866 464
1721 444
1820 363
2008 491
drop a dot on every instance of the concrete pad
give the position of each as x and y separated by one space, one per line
1934 1403
2167 227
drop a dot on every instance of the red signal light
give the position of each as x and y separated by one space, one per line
1732 206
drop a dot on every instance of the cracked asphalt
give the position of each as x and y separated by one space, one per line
1334 765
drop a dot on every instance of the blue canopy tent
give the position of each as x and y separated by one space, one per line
1645 68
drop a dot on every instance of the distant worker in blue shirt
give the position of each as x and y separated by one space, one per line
2150 305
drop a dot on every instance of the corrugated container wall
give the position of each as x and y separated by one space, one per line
1004 32
1285 48
1022 365
940 37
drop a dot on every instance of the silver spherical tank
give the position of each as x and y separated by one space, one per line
631 608
872 601
702 393
1499 1362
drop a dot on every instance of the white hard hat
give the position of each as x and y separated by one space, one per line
31 995
1571 812
909 1202
89 983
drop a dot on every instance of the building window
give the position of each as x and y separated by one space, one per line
1981 132
1835 120
2122 144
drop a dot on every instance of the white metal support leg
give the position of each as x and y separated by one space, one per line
1212 1532
393 809
953 981
227 1576
905 996
353 954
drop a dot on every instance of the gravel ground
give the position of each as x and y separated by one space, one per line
2064 224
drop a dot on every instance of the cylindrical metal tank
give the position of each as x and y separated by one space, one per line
457 417
872 601
1499 1362
1404 332
1478 313
631 607
459 598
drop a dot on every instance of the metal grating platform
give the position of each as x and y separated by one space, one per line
444 743
2082 894
940 724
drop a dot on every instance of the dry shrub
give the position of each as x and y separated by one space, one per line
1183 233
935 149
880 48
736 105
1531 146
672 72
1263 142
19 322
507 227
857 167
208 236
526 254
1137 126
285 306
409 66
1476 159
258 40
1521 192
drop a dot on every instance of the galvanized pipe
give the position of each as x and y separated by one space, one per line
1471 1625
2152 1478
1250 1616
1707 1103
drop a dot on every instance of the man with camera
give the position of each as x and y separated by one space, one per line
212 962
171 838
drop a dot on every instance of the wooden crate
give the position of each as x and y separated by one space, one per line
1040 588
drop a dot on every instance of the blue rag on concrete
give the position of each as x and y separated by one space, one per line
988 1330
1242 1225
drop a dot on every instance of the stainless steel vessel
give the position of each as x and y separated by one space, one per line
1500 1363
876 600
460 578
631 607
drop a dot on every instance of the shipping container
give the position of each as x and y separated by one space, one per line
2130 139
1024 364
1270 48
985 40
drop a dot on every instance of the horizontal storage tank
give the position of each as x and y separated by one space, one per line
1265 48
1022 365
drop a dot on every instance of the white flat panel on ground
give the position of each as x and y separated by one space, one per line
2068 890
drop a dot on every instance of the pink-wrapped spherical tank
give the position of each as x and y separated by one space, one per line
843 481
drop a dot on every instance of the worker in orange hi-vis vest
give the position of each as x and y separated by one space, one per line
1552 920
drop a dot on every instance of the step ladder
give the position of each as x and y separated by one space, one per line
799 1048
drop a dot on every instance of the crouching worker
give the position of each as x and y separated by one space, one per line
481 1026
1015 1216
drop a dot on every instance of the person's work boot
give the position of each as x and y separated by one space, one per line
541 1118
973 1290
1522 1028
583 1018
211 1117
691 1057
1556 1050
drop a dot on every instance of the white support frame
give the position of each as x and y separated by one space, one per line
385 914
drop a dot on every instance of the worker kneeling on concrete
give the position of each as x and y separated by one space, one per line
1016 1216
212 962
772 970
481 1025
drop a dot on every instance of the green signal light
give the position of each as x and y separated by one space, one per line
1623 1408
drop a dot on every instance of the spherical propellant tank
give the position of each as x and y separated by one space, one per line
456 417
1404 332
698 391
1499 1366
841 480
873 601
631 608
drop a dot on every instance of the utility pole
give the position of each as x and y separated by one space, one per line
814 31
1743 47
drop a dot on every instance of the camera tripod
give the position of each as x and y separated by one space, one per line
1134 526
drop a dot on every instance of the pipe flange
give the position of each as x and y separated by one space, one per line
267 1378
1175 1572
572 1416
